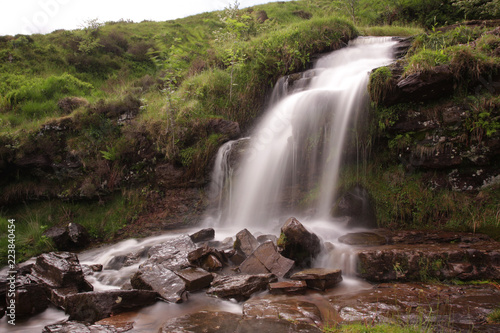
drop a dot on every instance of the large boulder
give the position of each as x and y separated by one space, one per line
266 259
60 270
90 307
69 238
298 243
239 287
203 235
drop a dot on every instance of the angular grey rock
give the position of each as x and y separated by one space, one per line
239 287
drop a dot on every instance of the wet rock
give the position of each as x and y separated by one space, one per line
288 287
245 242
209 259
319 278
125 260
267 238
229 128
268 325
266 259
289 308
357 203
30 297
203 321
425 237
76 327
153 276
203 235
239 287
172 254
427 85
60 270
449 308
72 237
90 307
363 239
298 243
195 278
417 262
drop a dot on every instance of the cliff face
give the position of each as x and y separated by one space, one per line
442 116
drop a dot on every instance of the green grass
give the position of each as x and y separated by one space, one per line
390 30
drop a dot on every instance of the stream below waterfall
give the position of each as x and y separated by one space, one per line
296 148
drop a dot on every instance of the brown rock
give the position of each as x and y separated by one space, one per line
245 242
298 243
266 259
239 287
288 287
319 278
195 278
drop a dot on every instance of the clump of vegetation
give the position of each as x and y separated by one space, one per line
379 84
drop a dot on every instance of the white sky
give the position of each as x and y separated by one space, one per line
44 16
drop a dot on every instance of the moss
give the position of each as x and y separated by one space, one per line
379 85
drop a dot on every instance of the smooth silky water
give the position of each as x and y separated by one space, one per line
334 93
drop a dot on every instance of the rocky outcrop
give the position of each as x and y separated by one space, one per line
240 287
417 262
363 239
298 243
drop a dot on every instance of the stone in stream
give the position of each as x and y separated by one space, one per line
90 307
207 258
195 278
203 235
239 287
319 278
173 253
245 242
153 276
30 297
266 259
298 243
288 287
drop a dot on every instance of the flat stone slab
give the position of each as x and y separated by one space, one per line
239 287
319 278
167 284
288 287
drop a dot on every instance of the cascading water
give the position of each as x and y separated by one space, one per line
296 150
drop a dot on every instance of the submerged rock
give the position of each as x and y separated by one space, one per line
298 243
319 278
203 321
239 287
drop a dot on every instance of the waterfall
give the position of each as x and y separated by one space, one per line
297 147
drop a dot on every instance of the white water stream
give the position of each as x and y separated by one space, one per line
276 160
